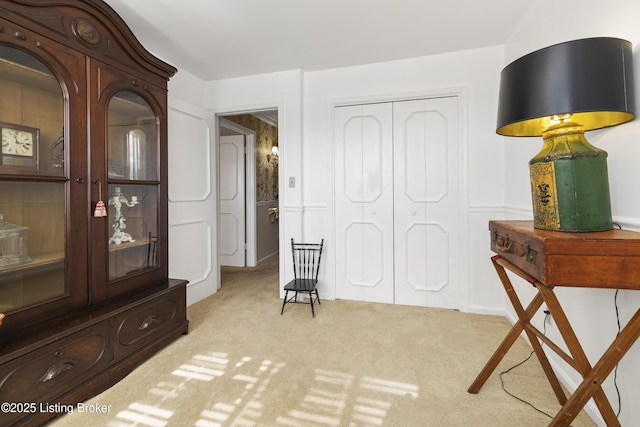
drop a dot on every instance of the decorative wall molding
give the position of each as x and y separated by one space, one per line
518 212
183 122
315 208
487 209
292 209
627 223
190 231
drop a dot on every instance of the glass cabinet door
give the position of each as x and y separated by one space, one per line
33 186
133 185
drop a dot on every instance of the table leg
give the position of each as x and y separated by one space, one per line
593 380
502 349
523 320
570 411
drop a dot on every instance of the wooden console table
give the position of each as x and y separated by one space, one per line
605 259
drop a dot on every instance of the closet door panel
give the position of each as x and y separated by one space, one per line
426 200
364 203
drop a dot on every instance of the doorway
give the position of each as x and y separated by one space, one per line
248 209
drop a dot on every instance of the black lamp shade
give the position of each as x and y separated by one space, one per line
592 79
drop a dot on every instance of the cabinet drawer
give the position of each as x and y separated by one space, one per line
59 366
143 324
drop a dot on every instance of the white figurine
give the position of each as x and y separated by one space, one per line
117 200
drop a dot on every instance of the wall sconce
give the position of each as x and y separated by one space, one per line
272 158
274 214
560 92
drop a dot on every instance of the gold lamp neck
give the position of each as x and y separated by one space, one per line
563 129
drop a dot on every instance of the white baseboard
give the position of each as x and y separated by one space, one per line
268 257
494 311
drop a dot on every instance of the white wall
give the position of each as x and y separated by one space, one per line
592 312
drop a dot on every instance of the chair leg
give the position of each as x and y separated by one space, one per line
313 313
318 297
284 301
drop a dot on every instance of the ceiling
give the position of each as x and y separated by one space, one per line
218 39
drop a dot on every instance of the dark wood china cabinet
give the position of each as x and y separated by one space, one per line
84 290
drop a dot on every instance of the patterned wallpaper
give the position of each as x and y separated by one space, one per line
266 172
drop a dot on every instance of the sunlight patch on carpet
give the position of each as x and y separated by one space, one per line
198 372
146 415
330 398
390 387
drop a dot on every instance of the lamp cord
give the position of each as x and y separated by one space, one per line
544 332
615 371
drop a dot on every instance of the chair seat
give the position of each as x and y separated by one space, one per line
301 285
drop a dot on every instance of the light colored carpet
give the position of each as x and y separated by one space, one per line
355 364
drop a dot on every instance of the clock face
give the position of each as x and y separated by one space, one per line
17 142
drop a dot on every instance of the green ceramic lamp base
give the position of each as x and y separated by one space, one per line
569 183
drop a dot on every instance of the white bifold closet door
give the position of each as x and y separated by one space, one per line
397 202
364 202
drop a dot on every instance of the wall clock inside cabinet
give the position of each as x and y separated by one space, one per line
20 146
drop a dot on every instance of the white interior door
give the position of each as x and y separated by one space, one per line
426 200
232 201
364 202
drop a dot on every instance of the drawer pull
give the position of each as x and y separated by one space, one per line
147 322
505 245
55 369
531 254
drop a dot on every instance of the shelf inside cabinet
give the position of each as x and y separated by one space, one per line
31 76
130 245
39 261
